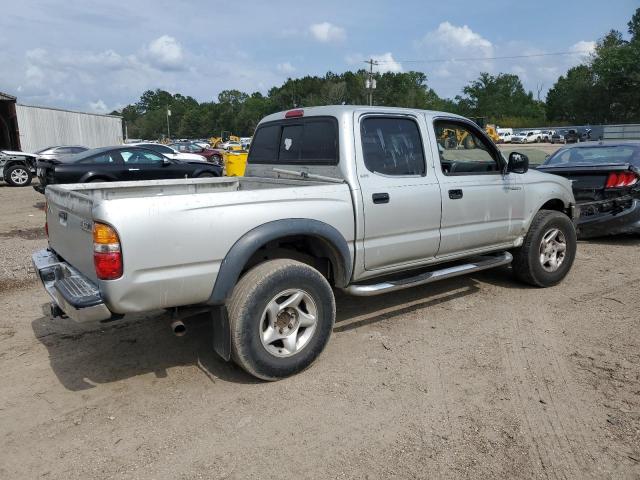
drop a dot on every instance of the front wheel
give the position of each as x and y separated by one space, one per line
18 176
548 250
281 315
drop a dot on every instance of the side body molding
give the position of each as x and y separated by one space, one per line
334 246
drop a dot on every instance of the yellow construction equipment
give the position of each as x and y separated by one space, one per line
492 131
224 137
451 138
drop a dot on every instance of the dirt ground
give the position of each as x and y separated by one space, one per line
477 377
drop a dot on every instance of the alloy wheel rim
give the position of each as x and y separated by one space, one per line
553 250
19 176
288 322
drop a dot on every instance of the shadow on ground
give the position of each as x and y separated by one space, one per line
83 356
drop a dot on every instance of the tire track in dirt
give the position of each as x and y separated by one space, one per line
546 399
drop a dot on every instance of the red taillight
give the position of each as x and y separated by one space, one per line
107 256
621 179
108 265
294 113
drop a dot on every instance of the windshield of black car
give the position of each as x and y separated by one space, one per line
300 141
592 155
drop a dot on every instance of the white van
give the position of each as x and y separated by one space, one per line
504 135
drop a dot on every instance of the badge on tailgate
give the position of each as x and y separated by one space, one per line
62 216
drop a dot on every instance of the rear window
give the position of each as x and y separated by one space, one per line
303 141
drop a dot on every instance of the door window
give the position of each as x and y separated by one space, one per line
463 151
141 157
392 146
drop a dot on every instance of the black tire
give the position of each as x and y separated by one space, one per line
246 307
206 175
18 176
527 265
96 180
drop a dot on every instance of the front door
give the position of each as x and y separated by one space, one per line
481 205
142 164
401 198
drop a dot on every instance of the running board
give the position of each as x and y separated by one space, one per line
483 263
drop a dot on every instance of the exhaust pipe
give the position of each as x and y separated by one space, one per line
179 329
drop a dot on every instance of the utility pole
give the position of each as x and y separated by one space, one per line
168 129
370 84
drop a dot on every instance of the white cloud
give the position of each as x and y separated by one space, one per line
98 107
326 32
285 67
386 63
165 52
583 48
458 40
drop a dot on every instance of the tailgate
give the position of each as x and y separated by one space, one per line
70 224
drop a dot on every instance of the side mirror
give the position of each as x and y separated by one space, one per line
518 163
166 162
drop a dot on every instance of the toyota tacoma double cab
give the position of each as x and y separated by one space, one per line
362 199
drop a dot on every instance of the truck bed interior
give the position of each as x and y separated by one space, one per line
155 188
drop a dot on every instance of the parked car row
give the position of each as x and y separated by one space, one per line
123 163
570 135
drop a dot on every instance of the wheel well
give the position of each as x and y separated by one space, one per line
314 251
95 178
555 204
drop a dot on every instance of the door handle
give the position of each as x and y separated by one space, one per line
380 197
455 194
134 169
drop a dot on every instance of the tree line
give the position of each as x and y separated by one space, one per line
604 89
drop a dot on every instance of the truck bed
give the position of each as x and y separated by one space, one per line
175 233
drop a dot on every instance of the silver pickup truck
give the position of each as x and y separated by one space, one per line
364 199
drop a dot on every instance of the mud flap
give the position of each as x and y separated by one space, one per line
221 332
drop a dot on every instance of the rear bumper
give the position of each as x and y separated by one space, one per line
627 221
77 296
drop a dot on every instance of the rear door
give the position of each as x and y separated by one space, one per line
401 197
481 206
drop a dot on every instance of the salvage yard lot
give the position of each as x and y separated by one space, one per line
477 377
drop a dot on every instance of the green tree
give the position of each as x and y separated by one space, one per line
499 97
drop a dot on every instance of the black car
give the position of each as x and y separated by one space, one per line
119 164
605 179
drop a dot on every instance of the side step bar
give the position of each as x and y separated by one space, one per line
483 263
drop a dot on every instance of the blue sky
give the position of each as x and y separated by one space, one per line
100 56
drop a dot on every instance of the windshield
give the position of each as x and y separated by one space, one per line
592 155
44 150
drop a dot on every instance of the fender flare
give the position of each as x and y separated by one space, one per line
240 253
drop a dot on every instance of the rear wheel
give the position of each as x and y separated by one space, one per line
548 250
281 315
18 176
206 175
